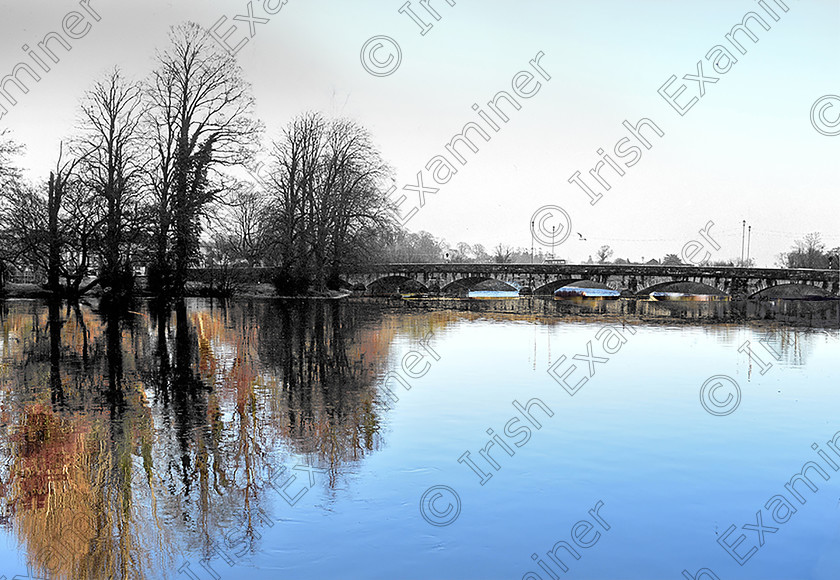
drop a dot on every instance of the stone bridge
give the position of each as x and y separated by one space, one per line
545 278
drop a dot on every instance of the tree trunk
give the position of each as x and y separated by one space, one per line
54 260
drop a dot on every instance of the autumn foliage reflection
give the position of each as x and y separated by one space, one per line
134 438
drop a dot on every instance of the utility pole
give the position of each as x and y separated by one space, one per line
749 230
552 242
532 241
743 226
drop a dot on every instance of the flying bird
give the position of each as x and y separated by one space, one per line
580 235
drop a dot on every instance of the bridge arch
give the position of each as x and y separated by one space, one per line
495 285
463 285
792 292
682 287
390 285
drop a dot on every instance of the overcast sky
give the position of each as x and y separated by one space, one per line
746 150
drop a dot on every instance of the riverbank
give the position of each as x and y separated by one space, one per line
804 313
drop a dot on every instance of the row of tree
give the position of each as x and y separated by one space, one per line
150 177
808 252
320 207
422 247
135 180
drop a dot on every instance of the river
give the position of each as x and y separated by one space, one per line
333 439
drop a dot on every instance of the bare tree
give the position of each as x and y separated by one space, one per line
83 211
604 253
113 171
9 182
809 252
328 205
51 232
354 191
296 157
59 184
403 246
23 226
465 250
502 254
81 218
236 227
480 253
201 118
8 170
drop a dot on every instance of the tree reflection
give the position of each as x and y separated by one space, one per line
136 437
55 323
327 400
73 485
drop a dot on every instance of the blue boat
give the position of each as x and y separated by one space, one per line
486 294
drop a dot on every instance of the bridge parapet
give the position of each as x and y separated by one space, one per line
730 279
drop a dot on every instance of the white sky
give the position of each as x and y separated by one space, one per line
746 151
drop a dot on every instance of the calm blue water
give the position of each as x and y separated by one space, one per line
180 458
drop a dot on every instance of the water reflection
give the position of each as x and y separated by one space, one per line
71 431
817 313
131 438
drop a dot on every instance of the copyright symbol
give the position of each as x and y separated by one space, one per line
820 121
716 404
370 55
435 498
551 225
50 559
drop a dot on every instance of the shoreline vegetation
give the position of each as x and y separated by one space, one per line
201 289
